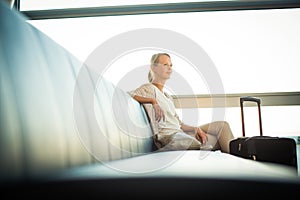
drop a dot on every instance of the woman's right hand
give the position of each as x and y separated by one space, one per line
159 113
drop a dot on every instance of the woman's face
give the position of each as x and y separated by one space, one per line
163 69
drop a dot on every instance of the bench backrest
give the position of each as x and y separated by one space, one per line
56 113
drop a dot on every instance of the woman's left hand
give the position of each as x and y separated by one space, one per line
200 135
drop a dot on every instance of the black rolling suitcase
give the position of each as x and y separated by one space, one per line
263 148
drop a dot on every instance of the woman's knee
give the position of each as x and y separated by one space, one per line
222 124
226 124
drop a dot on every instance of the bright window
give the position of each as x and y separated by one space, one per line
253 51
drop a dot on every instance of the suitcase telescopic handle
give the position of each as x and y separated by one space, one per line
253 99
249 98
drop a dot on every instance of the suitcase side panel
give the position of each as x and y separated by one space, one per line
273 149
266 148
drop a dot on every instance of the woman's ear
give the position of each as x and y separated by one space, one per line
152 67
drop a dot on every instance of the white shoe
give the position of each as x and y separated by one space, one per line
206 147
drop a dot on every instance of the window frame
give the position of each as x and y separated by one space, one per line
158 8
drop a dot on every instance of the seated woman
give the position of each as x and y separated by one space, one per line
170 132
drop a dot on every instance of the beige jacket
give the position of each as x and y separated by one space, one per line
164 141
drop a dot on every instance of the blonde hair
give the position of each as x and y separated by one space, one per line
153 62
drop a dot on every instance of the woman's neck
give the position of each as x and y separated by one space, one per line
160 86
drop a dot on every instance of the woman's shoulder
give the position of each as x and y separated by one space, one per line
147 86
145 90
